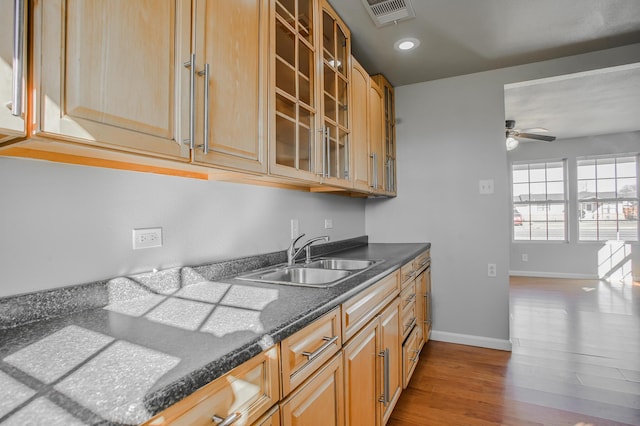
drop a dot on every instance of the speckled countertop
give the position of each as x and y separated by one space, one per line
143 343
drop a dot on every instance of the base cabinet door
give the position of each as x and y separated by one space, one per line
391 344
319 401
362 377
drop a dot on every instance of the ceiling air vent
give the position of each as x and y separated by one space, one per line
385 12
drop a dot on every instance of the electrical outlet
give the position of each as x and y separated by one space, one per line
491 270
147 238
328 224
486 186
295 228
525 257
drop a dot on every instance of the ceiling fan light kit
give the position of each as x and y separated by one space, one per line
511 133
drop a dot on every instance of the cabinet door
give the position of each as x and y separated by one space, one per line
231 39
335 48
360 159
319 401
391 343
12 122
362 375
293 104
108 73
375 138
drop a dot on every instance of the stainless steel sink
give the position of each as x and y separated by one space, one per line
344 264
324 272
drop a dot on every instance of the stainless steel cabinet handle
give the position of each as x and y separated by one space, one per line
329 341
374 158
385 398
411 324
206 74
191 64
328 152
18 56
229 420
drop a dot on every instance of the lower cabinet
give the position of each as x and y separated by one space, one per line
319 401
272 418
410 355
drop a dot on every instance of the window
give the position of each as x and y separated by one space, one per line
539 201
608 198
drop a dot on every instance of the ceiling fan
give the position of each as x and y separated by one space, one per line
513 134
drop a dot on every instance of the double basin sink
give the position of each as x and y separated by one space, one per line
323 272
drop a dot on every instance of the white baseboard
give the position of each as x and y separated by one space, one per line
469 340
553 275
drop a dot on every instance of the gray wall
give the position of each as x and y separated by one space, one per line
573 259
62 225
451 135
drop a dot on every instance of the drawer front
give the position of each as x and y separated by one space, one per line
303 352
272 418
406 273
246 392
422 260
410 356
408 305
361 308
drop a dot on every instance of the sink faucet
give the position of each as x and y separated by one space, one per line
292 253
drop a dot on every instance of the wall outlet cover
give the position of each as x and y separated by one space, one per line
147 238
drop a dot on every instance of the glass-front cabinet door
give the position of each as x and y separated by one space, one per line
294 106
389 135
335 150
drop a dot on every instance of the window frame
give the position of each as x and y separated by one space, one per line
541 205
606 200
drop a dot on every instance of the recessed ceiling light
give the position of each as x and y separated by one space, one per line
407 44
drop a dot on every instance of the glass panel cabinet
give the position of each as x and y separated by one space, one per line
292 151
389 133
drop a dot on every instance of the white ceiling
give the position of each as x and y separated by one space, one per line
460 37
584 104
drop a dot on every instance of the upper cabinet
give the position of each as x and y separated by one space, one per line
293 149
310 93
231 47
389 133
360 127
13 69
110 72
376 142
336 55
167 78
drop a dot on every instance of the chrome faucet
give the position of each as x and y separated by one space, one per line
292 253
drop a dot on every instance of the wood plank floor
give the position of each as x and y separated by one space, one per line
575 359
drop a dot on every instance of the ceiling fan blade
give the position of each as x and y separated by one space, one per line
537 137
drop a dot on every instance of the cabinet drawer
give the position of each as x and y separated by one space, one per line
248 390
361 308
303 352
422 260
272 418
408 315
410 356
406 273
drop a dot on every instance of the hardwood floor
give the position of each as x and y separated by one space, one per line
575 358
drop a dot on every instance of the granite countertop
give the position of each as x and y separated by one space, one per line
152 339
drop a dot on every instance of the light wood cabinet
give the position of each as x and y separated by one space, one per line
231 39
408 308
108 73
168 79
360 159
319 401
12 72
376 147
423 285
389 133
410 356
373 369
272 418
306 350
246 393
293 104
335 48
